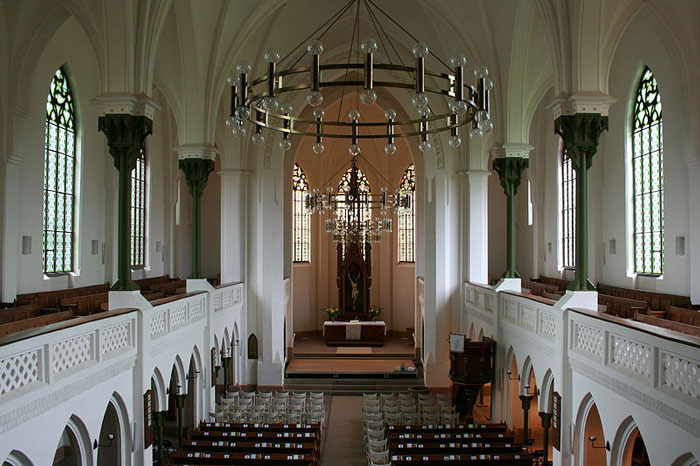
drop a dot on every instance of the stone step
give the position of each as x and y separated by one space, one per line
352 386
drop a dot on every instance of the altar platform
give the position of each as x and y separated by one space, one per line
315 346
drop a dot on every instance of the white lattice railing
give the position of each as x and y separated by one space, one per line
538 319
480 305
36 361
632 355
174 315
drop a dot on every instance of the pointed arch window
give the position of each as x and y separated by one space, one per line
407 217
138 211
648 177
301 243
567 199
365 190
59 177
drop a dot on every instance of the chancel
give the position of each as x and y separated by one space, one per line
349 232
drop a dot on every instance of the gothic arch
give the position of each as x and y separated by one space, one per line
117 408
626 433
547 391
17 458
78 433
685 460
180 374
160 401
587 408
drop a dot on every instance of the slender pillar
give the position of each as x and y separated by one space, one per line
510 170
546 423
226 362
160 422
125 137
196 172
526 400
580 133
180 415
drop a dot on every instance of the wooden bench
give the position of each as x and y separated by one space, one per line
52 299
85 305
257 446
684 316
539 289
495 436
434 447
33 322
145 284
13 314
668 324
227 459
170 288
483 459
563 285
620 307
655 301
260 435
445 429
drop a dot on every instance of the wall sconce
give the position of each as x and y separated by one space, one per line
225 352
527 391
593 438
235 343
194 375
509 374
110 437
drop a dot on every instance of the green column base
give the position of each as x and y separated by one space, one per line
124 285
577 285
510 274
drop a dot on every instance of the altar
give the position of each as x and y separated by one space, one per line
362 333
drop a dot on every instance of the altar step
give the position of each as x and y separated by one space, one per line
352 386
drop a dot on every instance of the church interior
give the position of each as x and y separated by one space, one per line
349 232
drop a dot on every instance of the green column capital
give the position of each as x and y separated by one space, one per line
125 136
580 133
510 172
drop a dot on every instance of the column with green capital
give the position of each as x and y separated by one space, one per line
196 172
510 170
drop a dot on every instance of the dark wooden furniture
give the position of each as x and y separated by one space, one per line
85 305
560 283
51 299
621 307
371 335
227 459
491 459
669 324
145 284
33 322
13 314
170 288
539 289
655 301
471 370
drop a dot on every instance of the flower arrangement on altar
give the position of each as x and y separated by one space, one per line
332 312
375 312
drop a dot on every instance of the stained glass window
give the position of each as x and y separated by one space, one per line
648 177
59 177
365 190
138 211
407 217
301 243
568 209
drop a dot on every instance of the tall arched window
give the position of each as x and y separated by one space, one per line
301 242
365 190
648 177
138 211
567 199
59 177
407 217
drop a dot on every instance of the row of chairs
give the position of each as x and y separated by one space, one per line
271 407
404 408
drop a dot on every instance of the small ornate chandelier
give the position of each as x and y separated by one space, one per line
352 222
257 101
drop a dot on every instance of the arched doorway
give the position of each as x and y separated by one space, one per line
512 403
635 453
73 447
592 445
110 439
16 458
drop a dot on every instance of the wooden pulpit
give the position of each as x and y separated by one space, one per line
471 367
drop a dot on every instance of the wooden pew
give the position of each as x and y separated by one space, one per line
461 448
563 285
51 299
483 459
85 305
445 429
655 301
256 427
261 435
257 446
13 314
668 324
621 307
170 288
226 459
145 284
684 316
493 436
539 289
12 327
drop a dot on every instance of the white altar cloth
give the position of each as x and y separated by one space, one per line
353 330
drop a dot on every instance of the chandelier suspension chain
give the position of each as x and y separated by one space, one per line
378 27
408 33
355 27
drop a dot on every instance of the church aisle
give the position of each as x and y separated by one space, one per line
343 444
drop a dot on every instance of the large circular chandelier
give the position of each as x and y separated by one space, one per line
257 100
